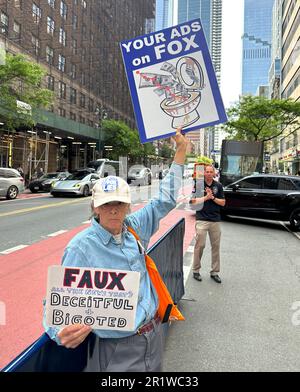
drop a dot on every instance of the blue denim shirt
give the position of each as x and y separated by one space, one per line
95 247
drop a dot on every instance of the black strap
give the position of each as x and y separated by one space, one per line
167 313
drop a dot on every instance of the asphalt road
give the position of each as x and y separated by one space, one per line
24 221
250 322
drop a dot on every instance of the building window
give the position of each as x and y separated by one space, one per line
18 4
36 13
82 100
72 116
63 10
81 120
91 105
50 25
49 55
4 23
83 78
62 90
74 46
61 63
51 3
83 54
74 21
62 37
36 44
62 112
17 29
50 82
84 30
73 95
73 71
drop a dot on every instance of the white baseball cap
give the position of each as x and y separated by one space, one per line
109 189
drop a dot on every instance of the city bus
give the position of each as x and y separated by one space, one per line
240 159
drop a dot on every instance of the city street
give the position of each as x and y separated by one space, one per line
46 215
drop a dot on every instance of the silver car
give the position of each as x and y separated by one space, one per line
80 182
11 183
139 175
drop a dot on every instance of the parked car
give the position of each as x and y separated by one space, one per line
80 182
105 167
11 183
46 180
265 196
139 175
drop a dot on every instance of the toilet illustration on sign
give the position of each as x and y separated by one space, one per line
181 90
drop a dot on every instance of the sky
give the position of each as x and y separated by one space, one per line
232 31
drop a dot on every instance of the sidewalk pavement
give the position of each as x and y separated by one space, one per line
250 321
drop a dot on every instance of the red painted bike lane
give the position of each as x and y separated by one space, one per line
23 284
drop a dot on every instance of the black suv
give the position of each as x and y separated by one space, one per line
265 196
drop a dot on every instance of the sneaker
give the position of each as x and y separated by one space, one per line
197 276
216 278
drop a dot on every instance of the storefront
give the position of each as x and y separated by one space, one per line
289 163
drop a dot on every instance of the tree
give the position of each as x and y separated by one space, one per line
124 140
166 151
20 80
262 119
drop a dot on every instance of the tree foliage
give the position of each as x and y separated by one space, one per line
21 80
166 151
261 119
125 141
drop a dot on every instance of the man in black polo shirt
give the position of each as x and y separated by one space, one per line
208 217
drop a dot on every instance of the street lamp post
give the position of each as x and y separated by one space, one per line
102 115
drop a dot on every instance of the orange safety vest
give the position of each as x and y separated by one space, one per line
167 310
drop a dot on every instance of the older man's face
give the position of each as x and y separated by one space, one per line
112 215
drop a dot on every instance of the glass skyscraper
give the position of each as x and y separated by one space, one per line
257 40
193 9
163 14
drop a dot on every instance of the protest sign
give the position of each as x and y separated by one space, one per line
172 81
100 298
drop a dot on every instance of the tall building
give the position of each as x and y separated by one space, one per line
275 68
164 14
210 14
77 42
257 40
289 143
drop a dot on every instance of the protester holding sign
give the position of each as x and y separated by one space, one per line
116 241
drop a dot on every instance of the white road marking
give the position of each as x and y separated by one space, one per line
57 233
190 249
14 249
86 222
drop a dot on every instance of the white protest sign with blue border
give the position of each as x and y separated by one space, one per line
172 81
